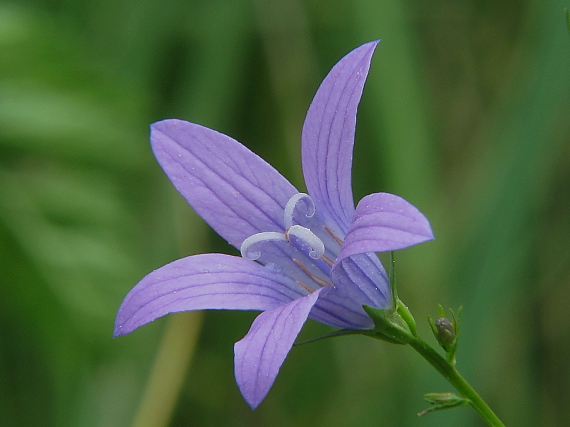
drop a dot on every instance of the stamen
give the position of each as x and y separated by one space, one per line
328 230
266 236
305 287
307 236
327 260
311 275
292 204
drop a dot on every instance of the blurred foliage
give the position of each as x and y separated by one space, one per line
465 114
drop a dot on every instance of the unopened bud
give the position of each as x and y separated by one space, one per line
445 331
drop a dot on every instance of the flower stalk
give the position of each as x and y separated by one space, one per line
390 327
397 325
452 375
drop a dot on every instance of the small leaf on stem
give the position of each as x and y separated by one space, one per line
442 401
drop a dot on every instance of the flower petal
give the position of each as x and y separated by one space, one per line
233 189
199 282
340 311
362 280
328 135
260 354
384 222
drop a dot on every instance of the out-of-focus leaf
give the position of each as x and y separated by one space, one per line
55 101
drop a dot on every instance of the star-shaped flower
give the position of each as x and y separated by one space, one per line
303 255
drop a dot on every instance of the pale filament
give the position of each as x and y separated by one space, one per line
311 275
301 284
327 260
328 230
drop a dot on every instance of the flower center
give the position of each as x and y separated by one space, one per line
308 243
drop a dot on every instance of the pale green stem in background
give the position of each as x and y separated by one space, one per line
205 97
172 360
178 343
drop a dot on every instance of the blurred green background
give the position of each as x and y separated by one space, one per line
465 114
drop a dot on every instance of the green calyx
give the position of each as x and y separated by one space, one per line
396 325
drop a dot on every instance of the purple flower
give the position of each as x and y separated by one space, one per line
303 255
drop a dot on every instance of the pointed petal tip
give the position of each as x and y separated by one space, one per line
253 403
119 332
429 236
371 46
122 325
165 123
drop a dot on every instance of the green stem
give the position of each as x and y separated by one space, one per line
451 374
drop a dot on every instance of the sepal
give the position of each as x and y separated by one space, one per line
397 324
389 325
397 305
404 312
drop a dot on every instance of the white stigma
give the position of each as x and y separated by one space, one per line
266 236
298 236
292 205
307 236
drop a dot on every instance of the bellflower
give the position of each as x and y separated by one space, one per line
303 255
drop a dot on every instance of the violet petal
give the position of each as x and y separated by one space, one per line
260 354
384 222
328 135
363 280
199 282
234 190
